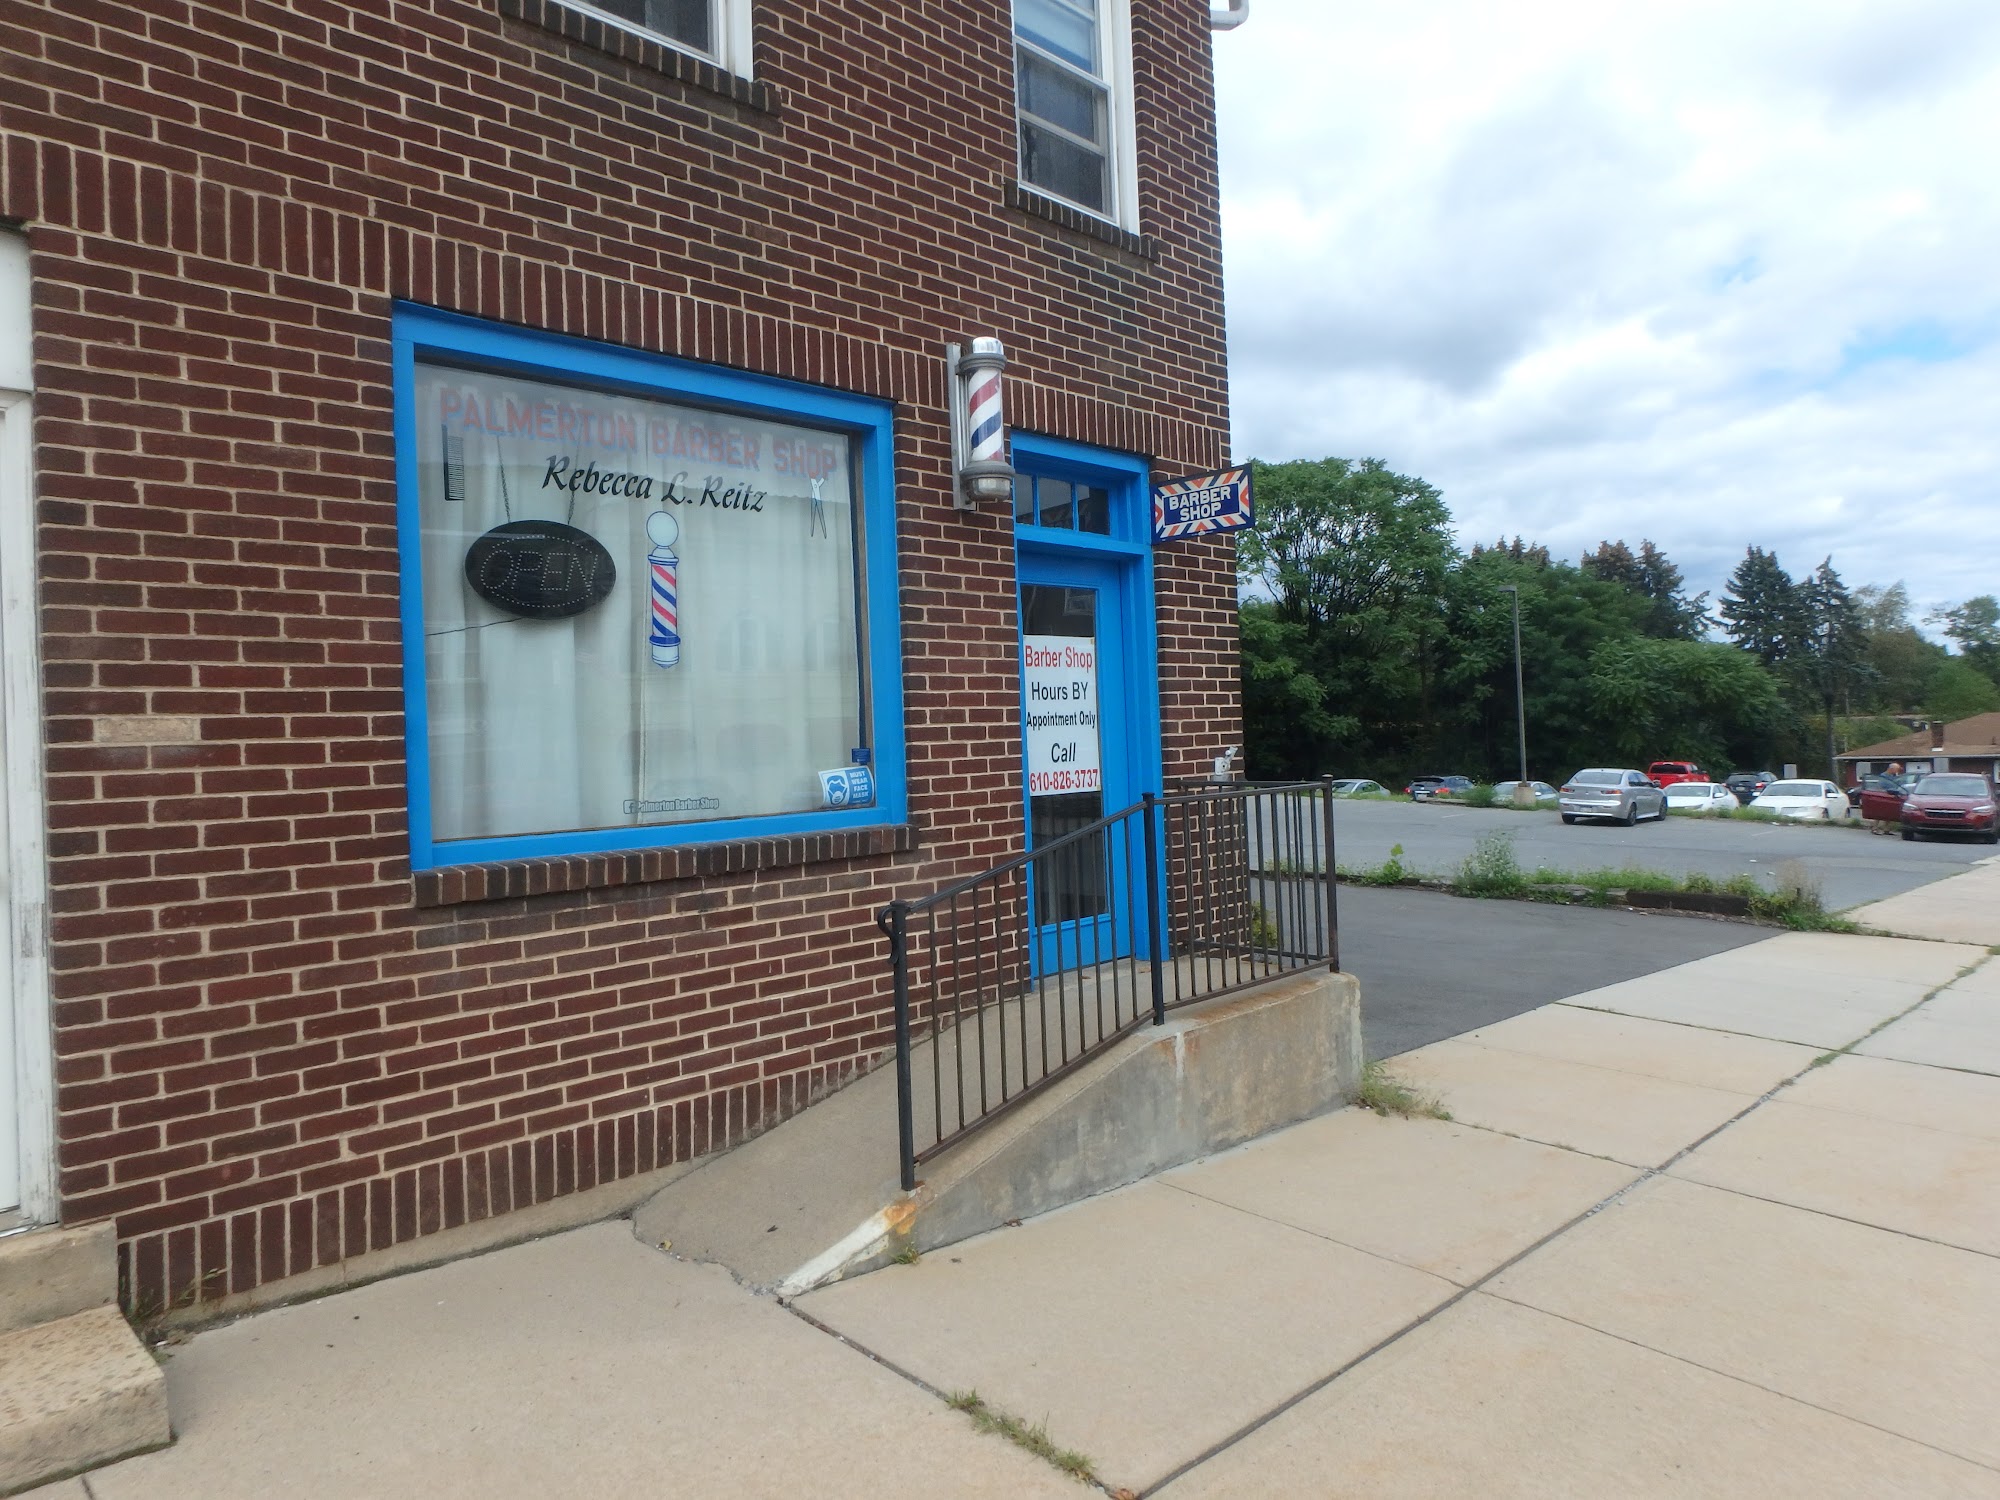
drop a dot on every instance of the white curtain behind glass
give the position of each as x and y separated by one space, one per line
546 726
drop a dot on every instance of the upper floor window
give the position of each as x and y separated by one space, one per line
716 29
1073 95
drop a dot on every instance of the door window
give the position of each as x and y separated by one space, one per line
1065 744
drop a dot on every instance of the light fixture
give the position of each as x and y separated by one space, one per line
979 472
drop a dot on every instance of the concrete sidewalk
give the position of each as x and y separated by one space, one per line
1962 909
1665 1246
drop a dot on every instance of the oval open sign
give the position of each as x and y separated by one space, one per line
541 569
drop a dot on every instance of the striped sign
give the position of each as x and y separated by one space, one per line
1206 503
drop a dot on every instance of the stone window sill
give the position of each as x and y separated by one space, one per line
614 41
1026 200
458 885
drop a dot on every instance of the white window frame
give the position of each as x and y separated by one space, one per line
1115 16
732 33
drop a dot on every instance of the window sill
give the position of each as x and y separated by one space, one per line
457 885
658 57
1024 199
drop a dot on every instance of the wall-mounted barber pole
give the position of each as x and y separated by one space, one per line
980 470
664 635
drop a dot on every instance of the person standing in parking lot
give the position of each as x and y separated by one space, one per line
1888 825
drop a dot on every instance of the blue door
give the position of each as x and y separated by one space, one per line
1077 712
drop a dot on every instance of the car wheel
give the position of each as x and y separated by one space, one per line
1909 835
1569 817
1991 836
1632 814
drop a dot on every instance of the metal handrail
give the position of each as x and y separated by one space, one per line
1015 976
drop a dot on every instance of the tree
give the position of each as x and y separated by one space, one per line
1566 615
1760 608
1353 560
1672 613
1958 690
1699 699
1974 627
1828 651
1900 661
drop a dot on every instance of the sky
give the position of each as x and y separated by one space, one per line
1717 275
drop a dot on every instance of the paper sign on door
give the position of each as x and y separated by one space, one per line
1059 679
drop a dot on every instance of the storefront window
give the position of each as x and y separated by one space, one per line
643 617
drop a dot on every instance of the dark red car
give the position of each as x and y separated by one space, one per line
1879 799
1666 772
1952 802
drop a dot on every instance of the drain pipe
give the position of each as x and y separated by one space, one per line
1230 19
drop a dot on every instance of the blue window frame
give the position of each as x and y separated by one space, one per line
637 418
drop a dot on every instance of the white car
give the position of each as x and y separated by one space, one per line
1817 800
1700 797
1357 786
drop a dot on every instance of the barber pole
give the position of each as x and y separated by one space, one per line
988 424
664 636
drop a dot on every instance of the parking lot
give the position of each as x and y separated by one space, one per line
1853 865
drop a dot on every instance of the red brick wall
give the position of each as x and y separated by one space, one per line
271 1055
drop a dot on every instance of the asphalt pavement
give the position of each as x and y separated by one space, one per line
1852 865
1433 966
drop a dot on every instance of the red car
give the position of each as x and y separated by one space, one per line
1665 773
1879 798
1952 802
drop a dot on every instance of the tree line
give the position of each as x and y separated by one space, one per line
1373 645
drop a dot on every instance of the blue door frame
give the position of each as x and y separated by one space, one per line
1116 567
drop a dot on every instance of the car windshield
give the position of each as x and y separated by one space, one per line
1597 778
1669 767
1685 791
1794 789
1952 786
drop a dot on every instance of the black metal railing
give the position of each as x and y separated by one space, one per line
1008 980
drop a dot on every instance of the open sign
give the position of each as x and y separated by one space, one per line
543 570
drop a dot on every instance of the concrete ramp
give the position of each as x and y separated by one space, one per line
817 1198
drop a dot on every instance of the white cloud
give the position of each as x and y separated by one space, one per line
1713 274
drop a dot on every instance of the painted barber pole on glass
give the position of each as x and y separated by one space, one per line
664 636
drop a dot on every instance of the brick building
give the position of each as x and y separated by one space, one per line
475 485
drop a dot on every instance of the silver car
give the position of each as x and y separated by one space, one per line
1621 794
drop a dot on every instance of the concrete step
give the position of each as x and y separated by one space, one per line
51 1273
817 1198
76 1392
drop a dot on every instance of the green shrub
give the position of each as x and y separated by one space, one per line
1478 795
1490 869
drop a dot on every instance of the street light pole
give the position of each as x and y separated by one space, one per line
1520 696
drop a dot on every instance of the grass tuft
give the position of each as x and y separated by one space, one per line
1386 1094
1033 1437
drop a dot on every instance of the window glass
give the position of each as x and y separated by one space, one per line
1053 498
1093 509
635 612
1068 30
1064 97
689 22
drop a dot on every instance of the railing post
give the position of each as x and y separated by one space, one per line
906 1123
1155 917
1332 901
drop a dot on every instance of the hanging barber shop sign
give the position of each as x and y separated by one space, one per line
1201 505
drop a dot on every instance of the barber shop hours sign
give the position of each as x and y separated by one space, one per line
1059 681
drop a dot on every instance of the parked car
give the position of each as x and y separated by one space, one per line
1666 773
1545 795
1426 788
1357 786
1952 802
1819 800
1700 797
1880 798
1747 784
1618 793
